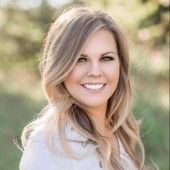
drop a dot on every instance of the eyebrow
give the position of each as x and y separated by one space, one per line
85 55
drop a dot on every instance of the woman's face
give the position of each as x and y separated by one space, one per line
94 78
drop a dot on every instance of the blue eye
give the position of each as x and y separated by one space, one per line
81 60
107 58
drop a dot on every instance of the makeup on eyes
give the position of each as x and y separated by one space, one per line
104 56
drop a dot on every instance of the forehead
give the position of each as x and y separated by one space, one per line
101 41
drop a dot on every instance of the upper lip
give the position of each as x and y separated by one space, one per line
93 83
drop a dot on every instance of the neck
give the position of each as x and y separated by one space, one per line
99 116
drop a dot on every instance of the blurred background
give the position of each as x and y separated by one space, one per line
23 27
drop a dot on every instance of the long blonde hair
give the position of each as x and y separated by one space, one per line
62 48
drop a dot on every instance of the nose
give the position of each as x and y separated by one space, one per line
94 70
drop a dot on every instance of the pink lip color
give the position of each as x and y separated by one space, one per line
94 90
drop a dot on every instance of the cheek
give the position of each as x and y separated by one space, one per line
74 77
113 73
116 75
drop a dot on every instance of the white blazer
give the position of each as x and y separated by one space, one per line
37 155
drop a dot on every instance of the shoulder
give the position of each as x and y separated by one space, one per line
38 156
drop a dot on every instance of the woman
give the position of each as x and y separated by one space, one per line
85 76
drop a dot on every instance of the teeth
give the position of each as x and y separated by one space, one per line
92 86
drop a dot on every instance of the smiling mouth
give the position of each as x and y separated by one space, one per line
94 86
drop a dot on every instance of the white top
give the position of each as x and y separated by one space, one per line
37 155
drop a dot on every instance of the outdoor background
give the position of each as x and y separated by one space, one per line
23 26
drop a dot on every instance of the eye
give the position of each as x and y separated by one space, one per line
81 60
107 58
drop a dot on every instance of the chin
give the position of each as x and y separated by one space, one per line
93 105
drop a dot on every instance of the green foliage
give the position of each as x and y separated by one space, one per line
158 19
16 110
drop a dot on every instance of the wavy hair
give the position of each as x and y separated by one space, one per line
62 48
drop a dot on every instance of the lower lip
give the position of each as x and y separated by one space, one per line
94 90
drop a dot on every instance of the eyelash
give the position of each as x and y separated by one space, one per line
108 58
